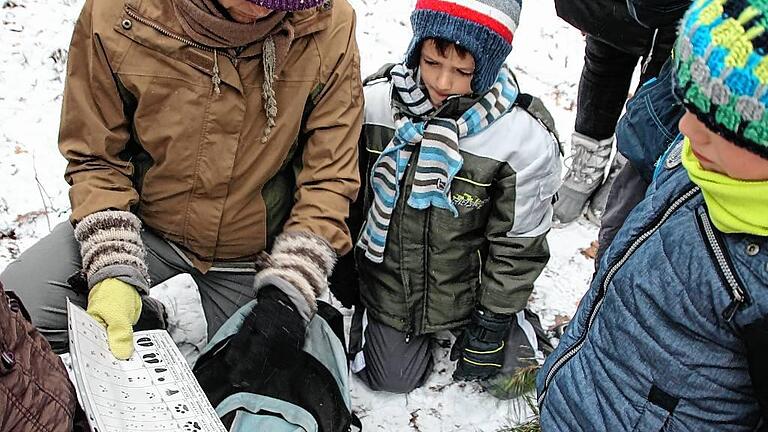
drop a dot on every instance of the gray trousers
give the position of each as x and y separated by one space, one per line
627 192
384 361
39 278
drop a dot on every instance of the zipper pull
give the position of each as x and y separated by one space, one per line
216 79
408 337
730 311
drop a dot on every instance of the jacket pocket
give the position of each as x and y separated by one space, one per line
548 187
656 414
650 123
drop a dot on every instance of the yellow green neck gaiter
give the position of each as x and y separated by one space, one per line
735 206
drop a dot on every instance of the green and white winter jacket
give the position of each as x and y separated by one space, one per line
438 267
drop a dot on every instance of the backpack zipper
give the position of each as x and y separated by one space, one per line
573 350
725 270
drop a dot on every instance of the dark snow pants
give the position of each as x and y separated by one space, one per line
605 80
39 278
385 361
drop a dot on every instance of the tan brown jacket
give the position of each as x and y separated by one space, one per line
144 129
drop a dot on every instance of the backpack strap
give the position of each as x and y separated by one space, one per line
382 73
535 107
356 422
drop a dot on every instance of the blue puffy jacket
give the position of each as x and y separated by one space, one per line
672 334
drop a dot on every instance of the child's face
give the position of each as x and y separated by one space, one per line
717 154
447 75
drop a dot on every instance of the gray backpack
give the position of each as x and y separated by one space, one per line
311 398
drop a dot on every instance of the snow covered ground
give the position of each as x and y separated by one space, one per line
547 59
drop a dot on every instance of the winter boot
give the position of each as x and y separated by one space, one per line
589 158
596 206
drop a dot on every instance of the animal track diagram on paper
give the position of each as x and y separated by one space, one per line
154 390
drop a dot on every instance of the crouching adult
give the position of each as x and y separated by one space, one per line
200 135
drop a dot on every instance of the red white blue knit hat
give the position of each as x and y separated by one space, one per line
485 28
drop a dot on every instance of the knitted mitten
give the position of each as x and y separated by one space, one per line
113 263
117 306
299 266
111 247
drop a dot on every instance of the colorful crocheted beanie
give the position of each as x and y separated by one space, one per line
722 69
288 5
484 27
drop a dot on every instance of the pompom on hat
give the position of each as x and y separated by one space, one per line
485 28
722 69
288 5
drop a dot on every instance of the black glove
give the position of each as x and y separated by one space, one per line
271 335
270 340
480 348
344 282
153 315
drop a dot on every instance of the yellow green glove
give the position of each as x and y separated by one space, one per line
117 306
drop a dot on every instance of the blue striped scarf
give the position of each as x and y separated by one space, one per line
438 158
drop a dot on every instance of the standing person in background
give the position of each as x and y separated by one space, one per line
672 334
646 129
615 42
457 204
200 135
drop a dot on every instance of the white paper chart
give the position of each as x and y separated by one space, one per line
154 390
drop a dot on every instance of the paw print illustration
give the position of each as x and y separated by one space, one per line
145 342
150 358
160 371
192 426
181 408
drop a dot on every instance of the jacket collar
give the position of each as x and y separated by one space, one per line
304 22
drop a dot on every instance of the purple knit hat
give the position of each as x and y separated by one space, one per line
289 5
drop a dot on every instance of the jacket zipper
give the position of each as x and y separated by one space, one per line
215 79
425 269
403 276
573 350
715 245
480 268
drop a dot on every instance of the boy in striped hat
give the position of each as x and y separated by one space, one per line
457 202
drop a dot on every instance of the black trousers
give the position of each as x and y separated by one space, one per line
605 80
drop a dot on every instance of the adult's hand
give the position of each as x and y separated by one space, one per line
117 306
